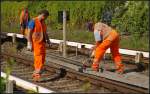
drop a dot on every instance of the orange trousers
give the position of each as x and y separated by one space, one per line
112 42
39 55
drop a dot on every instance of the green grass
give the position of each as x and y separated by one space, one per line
131 17
135 43
76 35
127 42
2 85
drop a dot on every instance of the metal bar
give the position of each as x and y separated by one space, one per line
64 33
97 80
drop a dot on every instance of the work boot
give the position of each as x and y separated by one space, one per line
120 69
95 67
36 75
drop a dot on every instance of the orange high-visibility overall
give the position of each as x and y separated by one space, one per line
110 40
24 17
38 44
21 16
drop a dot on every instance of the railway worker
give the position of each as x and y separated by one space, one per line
37 38
106 37
24 19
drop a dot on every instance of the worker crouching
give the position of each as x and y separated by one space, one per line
106 37
37 38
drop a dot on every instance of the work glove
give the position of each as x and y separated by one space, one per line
29 46
95 65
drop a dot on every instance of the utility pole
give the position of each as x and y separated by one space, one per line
64 33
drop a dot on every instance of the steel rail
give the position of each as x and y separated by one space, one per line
99 81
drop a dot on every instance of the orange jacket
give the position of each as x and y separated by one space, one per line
39 31
24 16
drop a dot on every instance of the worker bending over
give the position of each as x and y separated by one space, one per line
106 37
37 38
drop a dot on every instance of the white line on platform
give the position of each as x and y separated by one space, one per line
27 85
122 51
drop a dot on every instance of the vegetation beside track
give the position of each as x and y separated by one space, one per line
128 16
2 85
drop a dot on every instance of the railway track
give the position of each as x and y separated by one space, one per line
61 78
54 78
25 72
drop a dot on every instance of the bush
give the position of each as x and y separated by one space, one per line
127 16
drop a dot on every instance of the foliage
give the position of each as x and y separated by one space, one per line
10 62
132 17
127 16
86 86
2 85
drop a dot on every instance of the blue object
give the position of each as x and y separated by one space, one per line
97 36
31 24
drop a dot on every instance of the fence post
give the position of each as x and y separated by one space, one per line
77 50
138 57
64 33
60 47
14 38
9 86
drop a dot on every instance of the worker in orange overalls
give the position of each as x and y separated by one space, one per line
37 38
106 37
24 19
